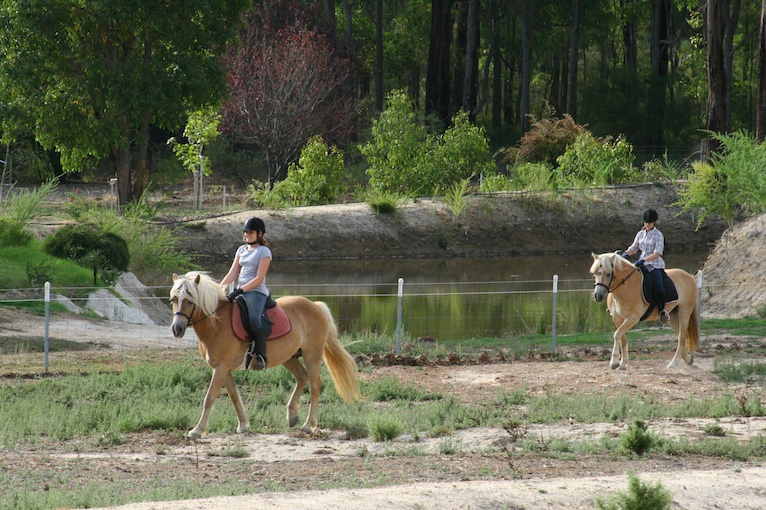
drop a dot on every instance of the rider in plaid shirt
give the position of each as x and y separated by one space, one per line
651 243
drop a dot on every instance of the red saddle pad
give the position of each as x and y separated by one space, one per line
279 320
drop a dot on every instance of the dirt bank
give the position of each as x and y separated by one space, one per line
504 224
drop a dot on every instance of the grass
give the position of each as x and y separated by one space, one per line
101 397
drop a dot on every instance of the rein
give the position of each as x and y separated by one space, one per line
611 280
189 321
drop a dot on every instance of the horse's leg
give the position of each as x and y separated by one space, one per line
315 386
243 424
216 381
621 336
616 355
301 377
681 325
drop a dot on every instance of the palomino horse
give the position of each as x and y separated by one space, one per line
620 283
200 302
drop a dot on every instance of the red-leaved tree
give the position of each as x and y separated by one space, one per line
286 84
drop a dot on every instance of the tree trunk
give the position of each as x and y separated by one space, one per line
459 62
497 67
438 71
527 17
379 55
716 72
629 37
142 149
573 61
760 113
730 19
120 157
655 114
471 59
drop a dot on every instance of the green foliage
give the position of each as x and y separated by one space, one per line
731 182
596 161
385 203
384 427
640 496
18 209
637 439
403 158
546 140
535 176
201 129
18 265
39 273
90 247
153 249
455 198
316 179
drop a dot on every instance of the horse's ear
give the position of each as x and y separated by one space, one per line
197 279
595 257
175 277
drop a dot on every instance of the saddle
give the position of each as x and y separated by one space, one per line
671 294
274 320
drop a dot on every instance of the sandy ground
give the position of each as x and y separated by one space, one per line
474 477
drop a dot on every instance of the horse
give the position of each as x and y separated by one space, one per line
200 301
615 282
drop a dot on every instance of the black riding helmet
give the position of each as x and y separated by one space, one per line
650 216
255 224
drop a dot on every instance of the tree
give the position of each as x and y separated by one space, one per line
286 85
201 129
438 72
95 76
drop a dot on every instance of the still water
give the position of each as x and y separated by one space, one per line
453 299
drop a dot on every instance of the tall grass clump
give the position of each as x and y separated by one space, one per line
18 209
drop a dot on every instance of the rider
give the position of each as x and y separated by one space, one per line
650 241
249 268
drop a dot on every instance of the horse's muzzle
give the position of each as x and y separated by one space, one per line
178 329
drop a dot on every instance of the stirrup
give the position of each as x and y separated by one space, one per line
258 363
664 316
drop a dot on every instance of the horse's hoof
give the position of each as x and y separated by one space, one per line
623 367
243 429
292 420
193 434
614 365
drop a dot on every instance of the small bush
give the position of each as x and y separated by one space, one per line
317 178
89 247
596 161
546 140
13 234
637 439
384 428
640 496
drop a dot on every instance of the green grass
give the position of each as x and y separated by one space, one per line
14 262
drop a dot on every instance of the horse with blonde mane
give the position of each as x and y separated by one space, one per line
620 283
201 302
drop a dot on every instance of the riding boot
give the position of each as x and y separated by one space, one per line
664 317
258 350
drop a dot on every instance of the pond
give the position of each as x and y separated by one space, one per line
453 299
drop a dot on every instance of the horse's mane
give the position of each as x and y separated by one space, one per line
199 288
608 262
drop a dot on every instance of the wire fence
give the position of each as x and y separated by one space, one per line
443 311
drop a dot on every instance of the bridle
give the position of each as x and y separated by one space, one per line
189 321
608 286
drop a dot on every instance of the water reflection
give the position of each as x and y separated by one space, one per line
452 299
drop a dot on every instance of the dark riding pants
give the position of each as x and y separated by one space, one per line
659 287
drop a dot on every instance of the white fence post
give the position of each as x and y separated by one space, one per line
399 318
699 295
47 320
554 349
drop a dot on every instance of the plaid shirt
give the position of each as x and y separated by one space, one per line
650 242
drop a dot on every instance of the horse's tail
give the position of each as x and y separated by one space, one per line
342 367
693 331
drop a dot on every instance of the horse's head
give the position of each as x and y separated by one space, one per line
604 269
193 295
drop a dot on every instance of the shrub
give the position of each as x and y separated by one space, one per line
640 496
461 152
89 247
19 209
317 178
732 180
13 233
546 140
637 439
596 161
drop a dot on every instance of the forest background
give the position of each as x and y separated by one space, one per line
379 97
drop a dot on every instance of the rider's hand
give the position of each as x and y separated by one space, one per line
640 263
625 255
234 294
